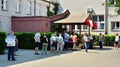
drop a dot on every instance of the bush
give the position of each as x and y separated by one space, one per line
26 39
2 42
95 40
109 40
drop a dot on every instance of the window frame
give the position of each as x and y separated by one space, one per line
38 11
99 21
29 8
4 5
18 4
115 27
84 29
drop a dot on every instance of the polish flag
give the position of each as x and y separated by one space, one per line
89 23
95 25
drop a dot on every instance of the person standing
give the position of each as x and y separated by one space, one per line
86 40
45 44
37 42
52 49
66 40
116 41
101 40
91 41
60 43
16 46
74 38
10 40
54 41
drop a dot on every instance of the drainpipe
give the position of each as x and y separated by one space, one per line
34 7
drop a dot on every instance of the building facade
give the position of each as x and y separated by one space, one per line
108 21
9 8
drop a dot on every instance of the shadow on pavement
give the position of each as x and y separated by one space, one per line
102 49
27 56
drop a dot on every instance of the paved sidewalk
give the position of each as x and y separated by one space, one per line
106 57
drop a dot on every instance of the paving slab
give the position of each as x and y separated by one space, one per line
106 57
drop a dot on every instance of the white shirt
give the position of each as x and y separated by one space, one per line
90 37
10 40
37 37
85 38
117 38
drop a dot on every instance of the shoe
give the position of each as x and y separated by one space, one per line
14 60
16 55
36 53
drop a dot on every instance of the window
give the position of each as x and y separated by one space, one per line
99 19
18 6
29 7
4 4
84 27
115 26
38 10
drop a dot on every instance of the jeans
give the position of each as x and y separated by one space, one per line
59 47
100 44
11 53
86 46
44 48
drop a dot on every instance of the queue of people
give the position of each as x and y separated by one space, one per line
57 43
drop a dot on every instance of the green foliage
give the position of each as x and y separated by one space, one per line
54 27
109 40
116 3
95 40
111 2
118 10
55 8
26 39
81 45
49 13
2 42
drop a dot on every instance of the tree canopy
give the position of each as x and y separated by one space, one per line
116 3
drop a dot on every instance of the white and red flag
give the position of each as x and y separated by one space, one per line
90 23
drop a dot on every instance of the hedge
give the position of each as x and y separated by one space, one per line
109 40
2 42
26 39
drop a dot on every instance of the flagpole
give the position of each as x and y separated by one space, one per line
106 18
88 29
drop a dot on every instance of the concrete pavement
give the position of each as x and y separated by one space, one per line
106 57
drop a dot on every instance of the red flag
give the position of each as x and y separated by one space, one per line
95 25
89 23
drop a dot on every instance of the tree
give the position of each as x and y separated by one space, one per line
116 3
